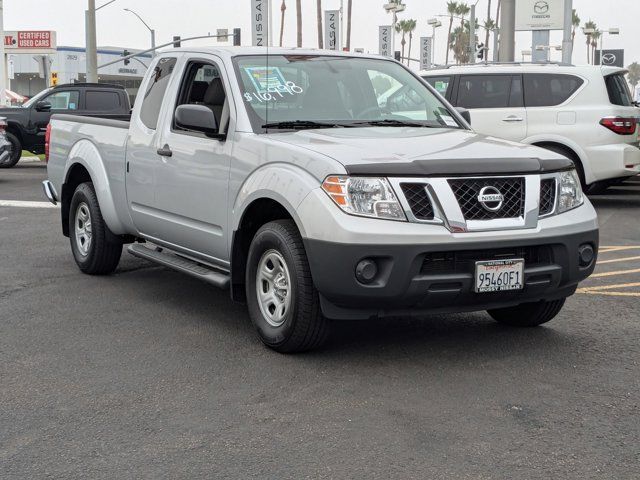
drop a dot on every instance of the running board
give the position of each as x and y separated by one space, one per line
181 264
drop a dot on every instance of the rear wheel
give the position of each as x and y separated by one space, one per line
95 249
528 314
283 303
15 151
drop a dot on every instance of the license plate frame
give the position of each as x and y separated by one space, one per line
504 275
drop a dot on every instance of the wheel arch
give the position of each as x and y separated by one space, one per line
259 212
572 150
86 164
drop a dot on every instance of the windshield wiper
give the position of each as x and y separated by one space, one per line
301 124
389 122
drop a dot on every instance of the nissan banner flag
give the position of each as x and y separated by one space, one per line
332 29
425 52
260 22
384 41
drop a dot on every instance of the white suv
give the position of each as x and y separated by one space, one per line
584 112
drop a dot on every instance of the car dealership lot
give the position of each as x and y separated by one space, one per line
149 373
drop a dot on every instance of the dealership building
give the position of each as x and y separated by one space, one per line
25 64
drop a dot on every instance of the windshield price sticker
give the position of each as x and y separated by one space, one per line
269 84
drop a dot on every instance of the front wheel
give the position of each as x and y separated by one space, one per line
283 302
95 249
528 314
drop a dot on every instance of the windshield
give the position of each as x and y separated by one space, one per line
307 91
34 99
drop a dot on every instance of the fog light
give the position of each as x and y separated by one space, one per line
586 254
366 270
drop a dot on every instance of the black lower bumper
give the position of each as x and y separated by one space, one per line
416 279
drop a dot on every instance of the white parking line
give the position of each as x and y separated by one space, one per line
22 204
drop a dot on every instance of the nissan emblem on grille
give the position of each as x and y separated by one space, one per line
490 198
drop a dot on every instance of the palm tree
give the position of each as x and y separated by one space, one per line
488 26
452 9
594 45
402 27
411 26
319 22
591 26
299 22
349 9
463 11
283 8
575 21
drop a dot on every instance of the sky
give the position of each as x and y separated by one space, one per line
115 27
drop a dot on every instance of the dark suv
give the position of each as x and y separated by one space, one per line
26 125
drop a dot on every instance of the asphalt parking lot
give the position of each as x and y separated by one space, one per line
150 374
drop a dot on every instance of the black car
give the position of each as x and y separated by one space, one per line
26 125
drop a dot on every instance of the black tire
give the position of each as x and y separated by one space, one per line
16 151
303 326
101 254
528 314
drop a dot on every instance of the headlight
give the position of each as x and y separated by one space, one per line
569 192
368 197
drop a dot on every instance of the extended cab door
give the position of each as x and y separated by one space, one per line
496 104
192 168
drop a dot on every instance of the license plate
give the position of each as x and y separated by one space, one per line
499 275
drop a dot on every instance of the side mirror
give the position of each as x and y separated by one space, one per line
198 118
464 113
43 106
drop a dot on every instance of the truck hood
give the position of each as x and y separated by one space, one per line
423 151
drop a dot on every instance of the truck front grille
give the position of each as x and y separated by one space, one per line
547 195
464 261
418 200
467 191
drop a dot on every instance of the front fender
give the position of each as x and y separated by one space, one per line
86 154
284 183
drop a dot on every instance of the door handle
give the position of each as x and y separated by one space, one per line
513 118
165 151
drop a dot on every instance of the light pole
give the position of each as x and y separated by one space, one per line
435 23
3 71
153 32
395 8
610 31
90 32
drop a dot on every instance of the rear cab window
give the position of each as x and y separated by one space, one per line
102 101
548 90
618 90
154 94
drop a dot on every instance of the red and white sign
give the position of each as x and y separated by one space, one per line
30 40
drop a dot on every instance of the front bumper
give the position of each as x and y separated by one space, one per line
419 278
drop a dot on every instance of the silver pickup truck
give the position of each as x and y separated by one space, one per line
317 186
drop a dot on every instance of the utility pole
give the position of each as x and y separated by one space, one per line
3 59
567 47
508 31
91 47
472 35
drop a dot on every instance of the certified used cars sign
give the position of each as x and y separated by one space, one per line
539 14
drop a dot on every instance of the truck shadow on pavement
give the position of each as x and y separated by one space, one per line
189 303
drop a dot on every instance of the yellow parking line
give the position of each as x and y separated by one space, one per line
617 249
619 272
611 294
611 287
614 260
